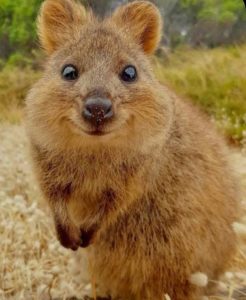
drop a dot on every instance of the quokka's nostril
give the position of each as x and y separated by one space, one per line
108 110
89 109
87 112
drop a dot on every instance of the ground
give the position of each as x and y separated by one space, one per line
32 263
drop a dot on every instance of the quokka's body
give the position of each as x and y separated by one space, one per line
128 169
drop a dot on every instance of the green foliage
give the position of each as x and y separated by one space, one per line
17 22
216 10
18 59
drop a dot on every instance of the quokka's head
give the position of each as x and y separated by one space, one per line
98 87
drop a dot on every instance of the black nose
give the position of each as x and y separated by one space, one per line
98 110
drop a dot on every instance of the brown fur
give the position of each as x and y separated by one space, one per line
154 197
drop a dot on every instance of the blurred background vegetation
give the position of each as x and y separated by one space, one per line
202 55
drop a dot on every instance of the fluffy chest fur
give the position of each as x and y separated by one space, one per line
94 185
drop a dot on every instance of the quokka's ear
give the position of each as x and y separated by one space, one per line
58 22
142 20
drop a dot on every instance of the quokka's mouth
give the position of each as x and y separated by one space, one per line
93 132
97 132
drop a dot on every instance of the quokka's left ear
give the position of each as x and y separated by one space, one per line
142 20
58 22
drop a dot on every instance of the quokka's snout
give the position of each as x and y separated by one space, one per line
97 111
132 172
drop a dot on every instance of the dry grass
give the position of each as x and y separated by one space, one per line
14 84
213 79
33 264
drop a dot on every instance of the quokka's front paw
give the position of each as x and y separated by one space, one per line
72 237
69 236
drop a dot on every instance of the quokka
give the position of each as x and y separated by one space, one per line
129 170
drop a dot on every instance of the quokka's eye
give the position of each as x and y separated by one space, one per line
70 72
129 74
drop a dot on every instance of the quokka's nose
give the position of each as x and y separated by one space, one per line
98 110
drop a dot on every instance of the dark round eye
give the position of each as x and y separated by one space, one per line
129 74
70 72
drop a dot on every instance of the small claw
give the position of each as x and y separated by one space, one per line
86 237
74 248
67 237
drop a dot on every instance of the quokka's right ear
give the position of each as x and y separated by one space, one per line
59 21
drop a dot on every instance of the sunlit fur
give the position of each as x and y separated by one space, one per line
155 188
